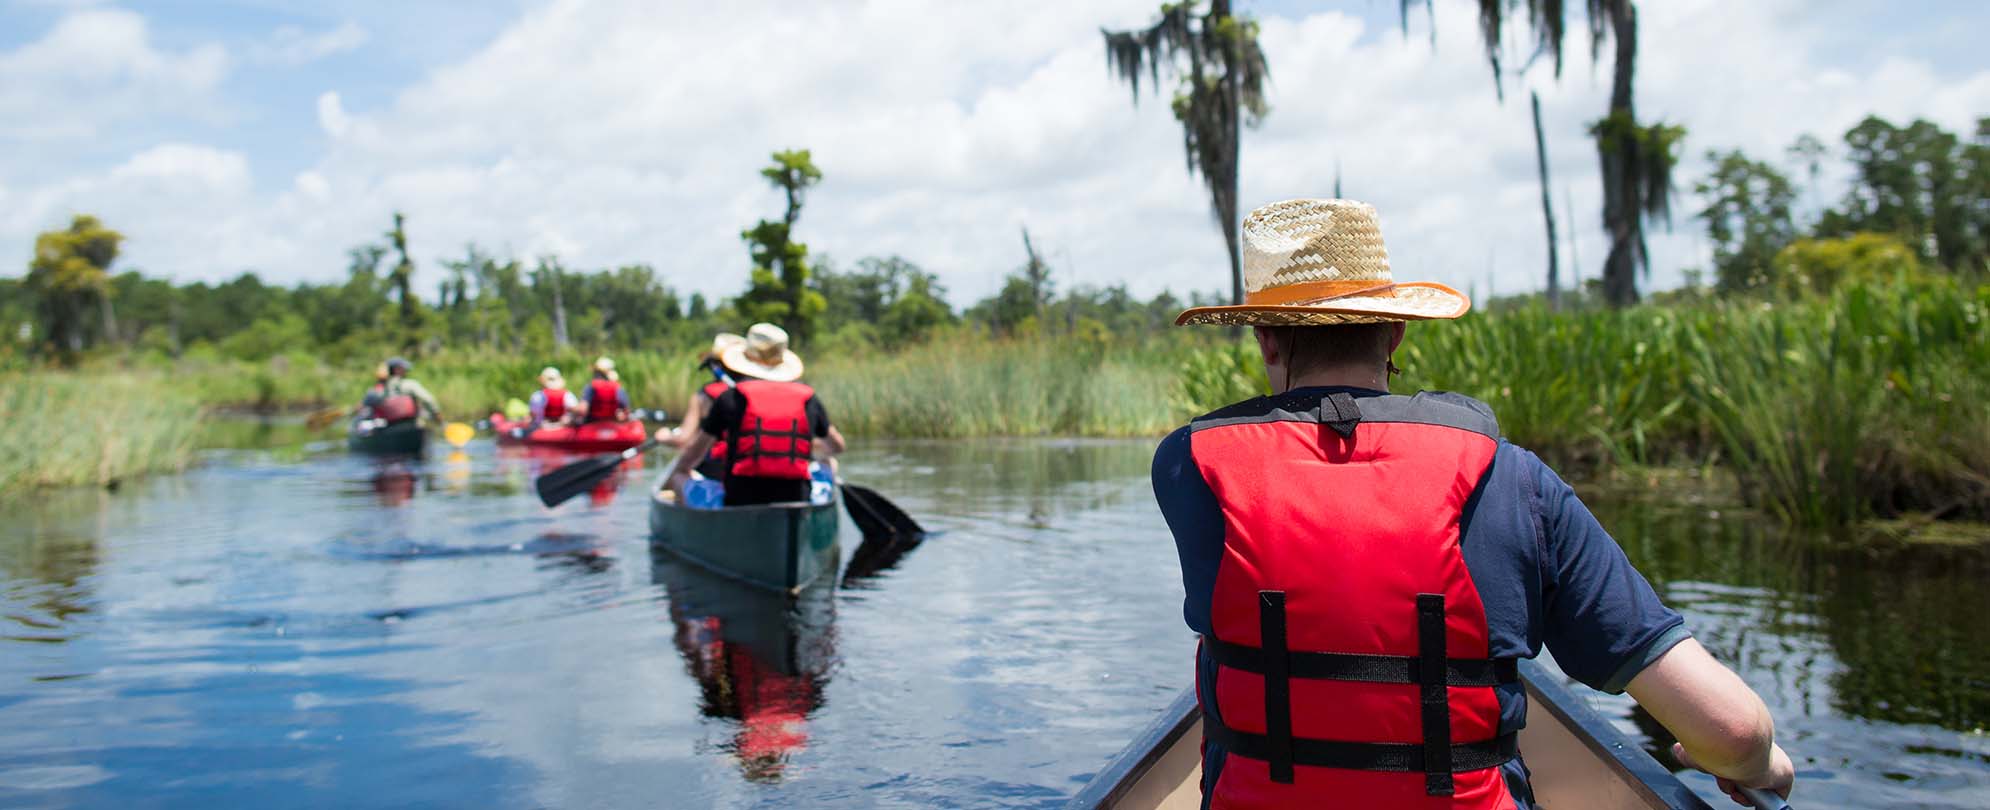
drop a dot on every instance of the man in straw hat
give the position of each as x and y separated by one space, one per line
604 398
1366 568
769 421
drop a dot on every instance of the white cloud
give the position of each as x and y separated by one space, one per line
97 68
620 130
332 116
292 46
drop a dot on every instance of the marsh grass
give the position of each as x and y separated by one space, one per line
1871 402
67 430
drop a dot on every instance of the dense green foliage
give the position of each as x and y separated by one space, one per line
1872 401
779 290
69 281
1917 189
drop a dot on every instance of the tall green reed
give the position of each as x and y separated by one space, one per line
69 429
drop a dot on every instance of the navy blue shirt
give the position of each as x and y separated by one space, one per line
1545 570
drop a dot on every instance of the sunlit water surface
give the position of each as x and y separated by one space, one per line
338 632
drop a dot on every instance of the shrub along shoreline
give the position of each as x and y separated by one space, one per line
1872 402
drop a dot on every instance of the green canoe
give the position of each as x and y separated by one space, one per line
396 438
779 546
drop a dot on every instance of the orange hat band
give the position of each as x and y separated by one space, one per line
1304 292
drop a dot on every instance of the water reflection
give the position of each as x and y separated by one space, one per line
761 658
337 632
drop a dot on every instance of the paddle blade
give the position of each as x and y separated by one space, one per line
561 485
877 516
458 433
324 417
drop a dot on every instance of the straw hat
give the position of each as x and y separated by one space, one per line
550 377
720 343
606 367
764 354
1322 263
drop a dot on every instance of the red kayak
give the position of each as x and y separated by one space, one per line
593 437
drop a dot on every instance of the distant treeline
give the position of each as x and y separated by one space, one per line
1919 202
70 302
487 302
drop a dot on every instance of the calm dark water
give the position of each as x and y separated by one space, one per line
333 632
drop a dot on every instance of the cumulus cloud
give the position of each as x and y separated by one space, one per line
292 46
615 131
97 68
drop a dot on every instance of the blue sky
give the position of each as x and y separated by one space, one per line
273 134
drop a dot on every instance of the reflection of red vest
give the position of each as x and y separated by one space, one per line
396 408
714 390
1350 648
556 403
774 438
605 399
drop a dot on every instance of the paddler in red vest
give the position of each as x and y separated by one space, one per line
604 400
374 393
713 464
771 423
1366 569
402 398
552 402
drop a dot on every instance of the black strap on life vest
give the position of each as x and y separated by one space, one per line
797 431
1436 695
1431 670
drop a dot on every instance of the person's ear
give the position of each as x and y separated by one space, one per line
1267 345
1396 332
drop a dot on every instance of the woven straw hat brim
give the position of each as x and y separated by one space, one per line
1409 301
788 370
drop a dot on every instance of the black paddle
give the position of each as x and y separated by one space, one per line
876 516
561 485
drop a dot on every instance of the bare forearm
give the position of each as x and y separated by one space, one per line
1721 723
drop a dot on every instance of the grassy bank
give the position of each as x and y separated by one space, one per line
1828 411
1872 402
66 430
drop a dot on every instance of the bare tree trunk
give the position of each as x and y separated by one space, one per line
109 315
1547 207
559 312
1617 146
1233 120
1575 253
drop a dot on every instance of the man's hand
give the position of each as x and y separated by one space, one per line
669 437
676 484
1781 777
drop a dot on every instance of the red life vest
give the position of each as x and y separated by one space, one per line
556 403
774 438
605 398
1350 650
713 390
396 408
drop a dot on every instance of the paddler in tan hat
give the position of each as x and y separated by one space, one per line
771 423
1366 569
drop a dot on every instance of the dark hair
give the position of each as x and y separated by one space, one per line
1316 347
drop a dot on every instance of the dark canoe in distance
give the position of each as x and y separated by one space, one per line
778 546
396 438
1578 761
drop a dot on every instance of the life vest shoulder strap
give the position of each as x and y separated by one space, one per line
1343 411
